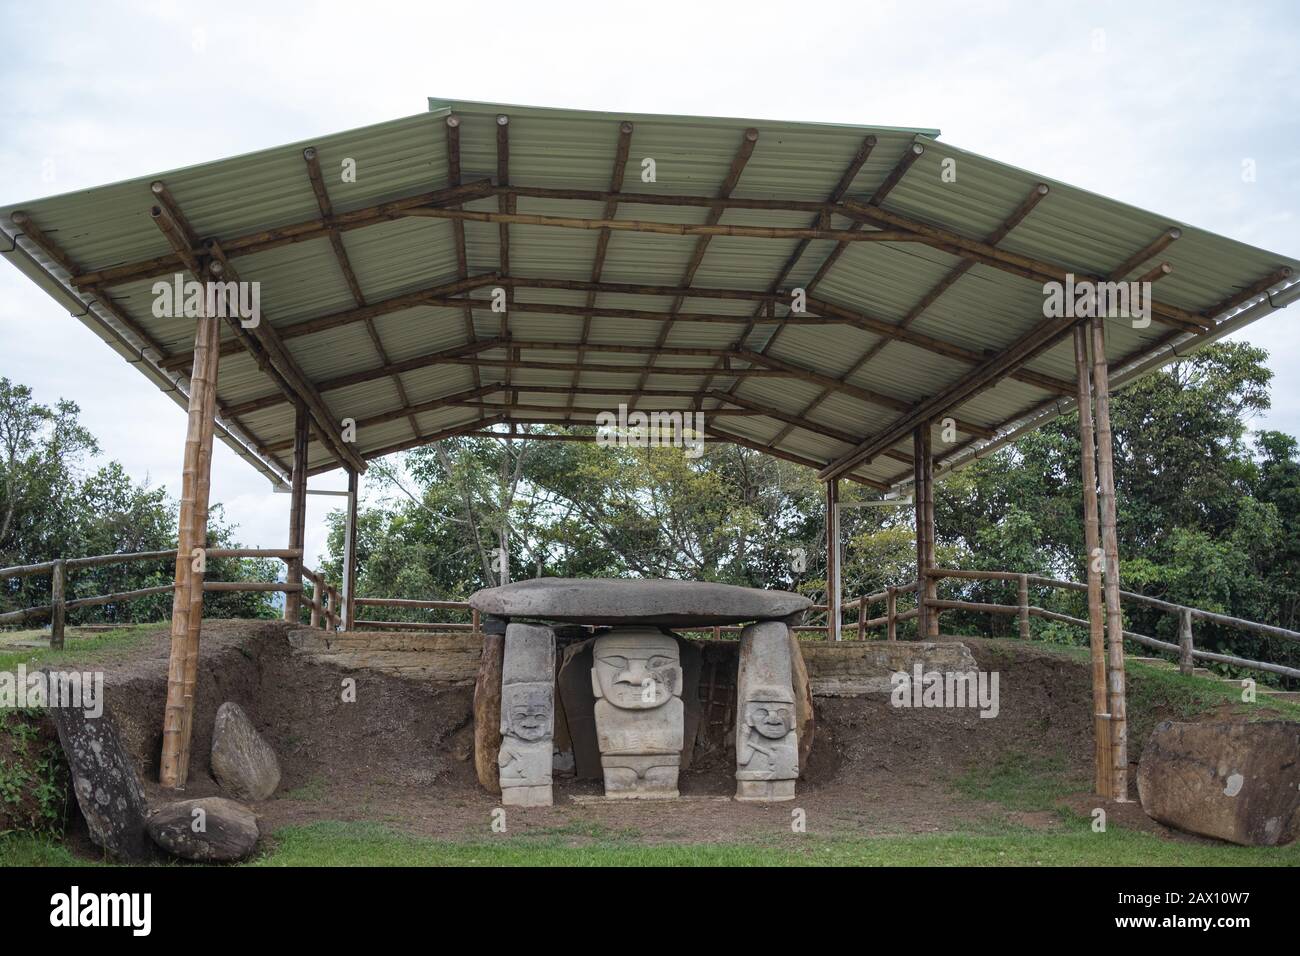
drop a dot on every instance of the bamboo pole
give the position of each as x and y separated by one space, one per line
1110 572
58 607
350 554
834 598
919 451
1022 595
930 590
297 510
180 700
1092 544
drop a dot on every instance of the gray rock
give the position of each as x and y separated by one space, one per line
667 603
210 830
1235 781
105 781
243 763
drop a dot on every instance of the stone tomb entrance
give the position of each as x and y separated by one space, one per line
587 677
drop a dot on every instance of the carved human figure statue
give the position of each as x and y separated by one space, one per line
767 743
636 676
526 755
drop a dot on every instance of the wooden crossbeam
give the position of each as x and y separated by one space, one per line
1029 267
38 237
312 160
458 228
768 310
433 295
267 239
1017 216
667 228
289 377
450 354
738 162
621 153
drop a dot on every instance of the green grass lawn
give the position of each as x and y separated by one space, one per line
81 650
371 844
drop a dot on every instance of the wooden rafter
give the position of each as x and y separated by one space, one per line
1017 216
738 162
269 351
37 237
312 160
621 153
267 239
458 228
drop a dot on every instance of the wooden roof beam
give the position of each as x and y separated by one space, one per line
266 239
621 153
458 227
312 160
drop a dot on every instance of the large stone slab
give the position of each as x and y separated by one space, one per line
1234 781
242 761
105 782
609 601
858 668
210 830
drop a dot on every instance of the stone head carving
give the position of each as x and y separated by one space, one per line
770 711
636 668
527 711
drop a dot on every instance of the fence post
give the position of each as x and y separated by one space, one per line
862 618
478 624
1023 581
891 612
58 610
1186 664
315 601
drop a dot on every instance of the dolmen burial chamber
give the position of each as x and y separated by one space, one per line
621 681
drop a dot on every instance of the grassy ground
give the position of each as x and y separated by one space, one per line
94 646
1022 782
371 844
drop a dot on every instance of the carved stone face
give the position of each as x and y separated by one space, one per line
771 718
526 711
636 668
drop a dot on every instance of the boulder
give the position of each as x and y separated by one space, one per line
652 602
105 781
210 830
1238 782
806 719
243 763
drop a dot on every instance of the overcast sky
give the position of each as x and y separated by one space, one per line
1153 104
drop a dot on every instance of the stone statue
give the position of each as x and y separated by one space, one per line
636 676
527 716
767 744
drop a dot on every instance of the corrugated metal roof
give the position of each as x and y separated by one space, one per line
811 417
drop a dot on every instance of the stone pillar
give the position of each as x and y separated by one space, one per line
636 676
767 742
527 716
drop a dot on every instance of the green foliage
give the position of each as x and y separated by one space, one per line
33 775
52 505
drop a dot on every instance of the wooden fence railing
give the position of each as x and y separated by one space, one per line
325 605
324 598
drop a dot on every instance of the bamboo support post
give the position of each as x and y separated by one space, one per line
187 602
58 607
1110 566
297 510
1186 663
1022 594
350 554
1092 544
834 608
